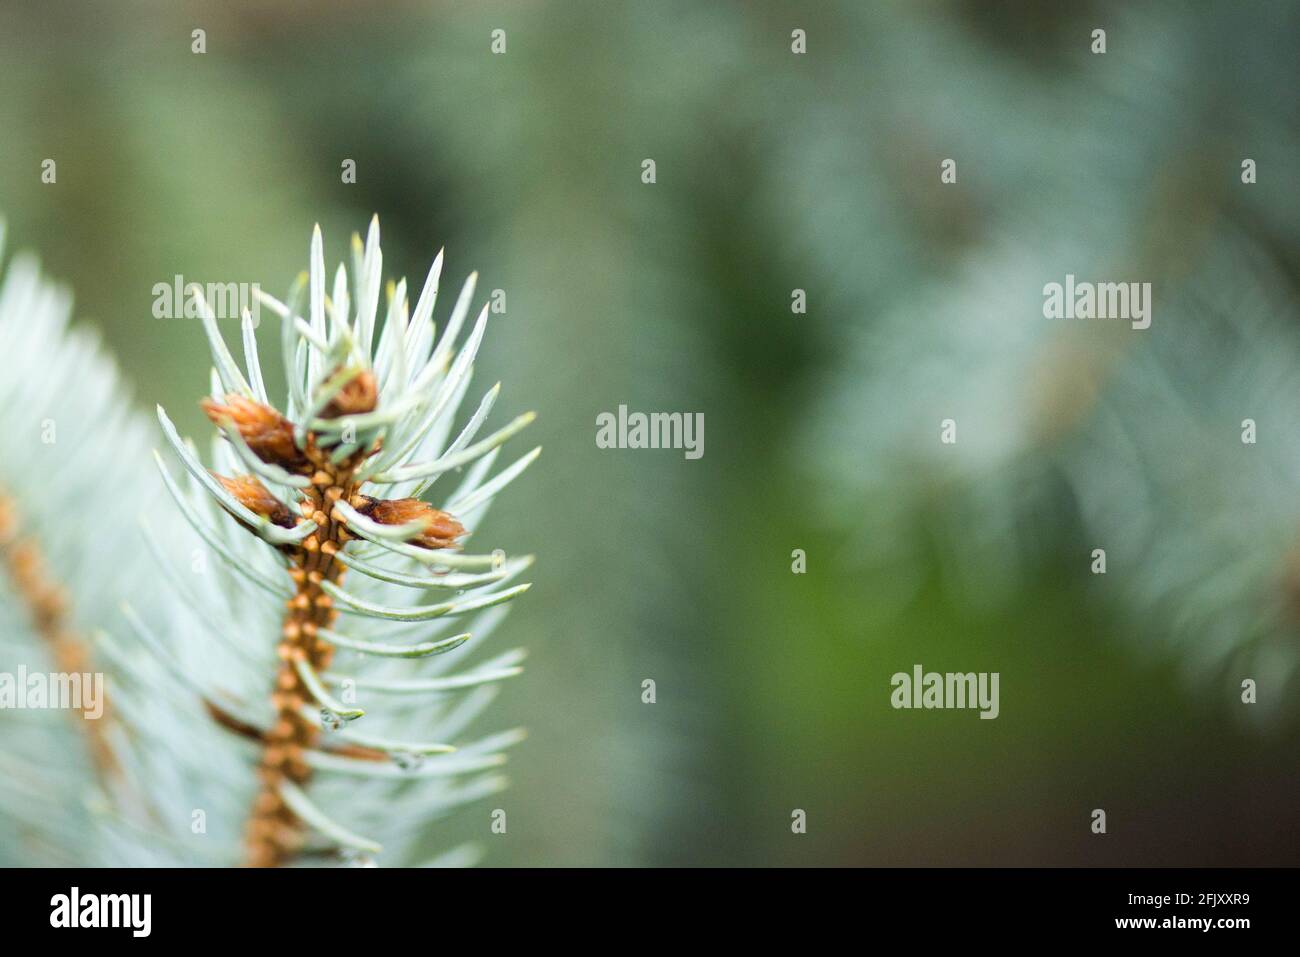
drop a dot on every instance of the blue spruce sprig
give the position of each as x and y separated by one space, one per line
337 483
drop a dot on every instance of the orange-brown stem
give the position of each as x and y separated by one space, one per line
46 605
274 832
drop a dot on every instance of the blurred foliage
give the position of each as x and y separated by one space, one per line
777 172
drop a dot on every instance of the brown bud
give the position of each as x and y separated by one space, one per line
255 497
267 432
441 530
360 395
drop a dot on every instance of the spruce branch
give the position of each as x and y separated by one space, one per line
70 448
335 483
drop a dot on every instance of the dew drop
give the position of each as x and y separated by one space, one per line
330 720
407 761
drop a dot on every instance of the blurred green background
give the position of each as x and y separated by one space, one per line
778 171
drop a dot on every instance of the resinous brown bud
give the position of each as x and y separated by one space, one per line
255 497
359 396
266 431
441 530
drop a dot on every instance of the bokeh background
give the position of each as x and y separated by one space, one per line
775 172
